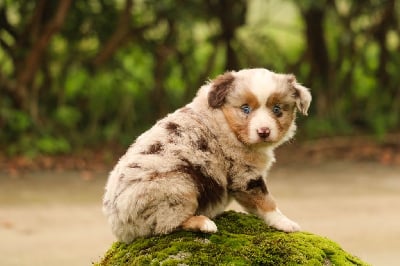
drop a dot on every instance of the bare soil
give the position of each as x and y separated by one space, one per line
54 217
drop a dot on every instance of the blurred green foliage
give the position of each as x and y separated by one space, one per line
81 73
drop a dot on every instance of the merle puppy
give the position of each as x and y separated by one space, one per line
184 170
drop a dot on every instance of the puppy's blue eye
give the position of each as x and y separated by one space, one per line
246 109
277 110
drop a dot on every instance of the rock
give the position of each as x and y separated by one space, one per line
241 239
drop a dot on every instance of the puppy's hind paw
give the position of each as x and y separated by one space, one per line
209 227
200 223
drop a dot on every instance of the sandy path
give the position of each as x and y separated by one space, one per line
55 218
52 219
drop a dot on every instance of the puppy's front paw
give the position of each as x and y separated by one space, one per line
286 225
279 221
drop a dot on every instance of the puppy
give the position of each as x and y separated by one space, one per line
187 167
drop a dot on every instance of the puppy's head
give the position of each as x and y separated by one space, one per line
259 105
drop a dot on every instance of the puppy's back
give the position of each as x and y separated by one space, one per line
172 171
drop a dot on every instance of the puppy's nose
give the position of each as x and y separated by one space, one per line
263 132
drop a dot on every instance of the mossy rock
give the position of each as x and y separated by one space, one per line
242 239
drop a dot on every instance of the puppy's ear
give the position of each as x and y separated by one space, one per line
220 87
301 94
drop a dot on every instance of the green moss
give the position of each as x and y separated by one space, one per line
241 240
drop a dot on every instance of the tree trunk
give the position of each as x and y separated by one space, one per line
115 41
231 15
318 57
31 63
380 34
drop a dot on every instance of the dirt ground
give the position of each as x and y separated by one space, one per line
54 217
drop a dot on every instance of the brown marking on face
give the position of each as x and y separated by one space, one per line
219 89
250 99
237 120
239 125
155 148
287 115
173 128
210 191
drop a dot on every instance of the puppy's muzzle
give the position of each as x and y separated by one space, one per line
263 132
